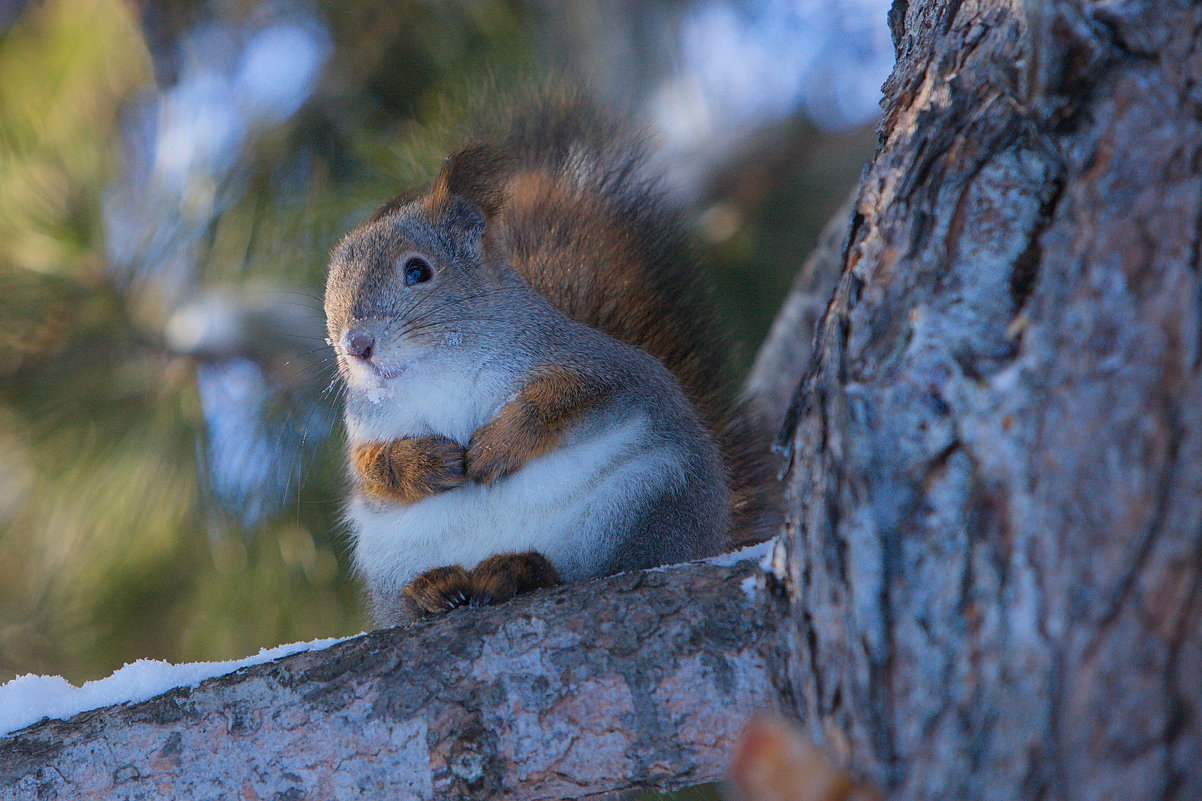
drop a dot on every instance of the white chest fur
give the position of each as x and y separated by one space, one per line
449 399
570 505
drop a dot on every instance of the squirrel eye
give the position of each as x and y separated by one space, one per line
417 271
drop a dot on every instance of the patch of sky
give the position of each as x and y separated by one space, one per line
755 62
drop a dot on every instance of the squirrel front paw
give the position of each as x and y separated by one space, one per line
410 469
498 449
498 578
531 424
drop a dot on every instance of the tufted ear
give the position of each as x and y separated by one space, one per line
475 174
469 229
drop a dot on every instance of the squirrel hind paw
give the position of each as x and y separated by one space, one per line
437 590
500 577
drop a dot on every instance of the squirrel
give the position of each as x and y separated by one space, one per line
538 388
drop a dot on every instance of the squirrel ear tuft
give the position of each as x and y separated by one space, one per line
475 174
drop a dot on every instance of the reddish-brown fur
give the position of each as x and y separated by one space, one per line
407 470
531 424
505 575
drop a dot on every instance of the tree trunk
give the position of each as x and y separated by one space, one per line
995 482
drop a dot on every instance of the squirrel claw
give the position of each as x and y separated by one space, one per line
439 589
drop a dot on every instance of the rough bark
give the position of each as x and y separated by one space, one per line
640 680
995 492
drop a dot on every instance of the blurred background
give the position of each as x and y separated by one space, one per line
173 175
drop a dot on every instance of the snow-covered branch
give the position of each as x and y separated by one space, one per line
637 680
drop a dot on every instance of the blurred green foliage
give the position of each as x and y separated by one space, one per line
97 487
113 545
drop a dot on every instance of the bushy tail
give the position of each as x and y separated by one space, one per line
587 224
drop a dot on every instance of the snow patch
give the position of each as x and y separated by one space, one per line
763 553
30 698
773 562
760 552
750 586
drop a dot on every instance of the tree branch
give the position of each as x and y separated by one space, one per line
785 355
638 680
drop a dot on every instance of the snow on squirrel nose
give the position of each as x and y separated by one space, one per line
359 344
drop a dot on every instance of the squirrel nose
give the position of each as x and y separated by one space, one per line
359 344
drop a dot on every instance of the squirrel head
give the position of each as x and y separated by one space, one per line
417 281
